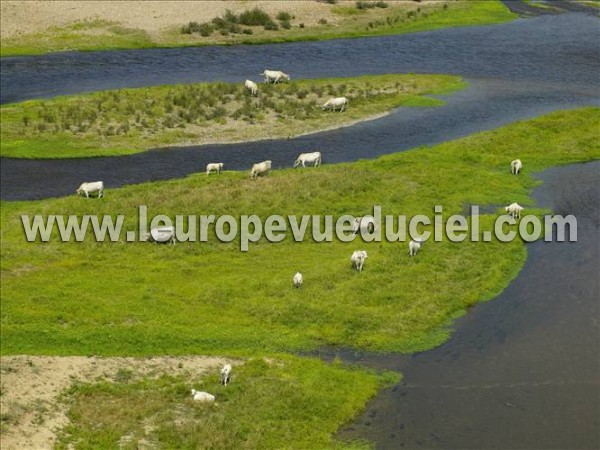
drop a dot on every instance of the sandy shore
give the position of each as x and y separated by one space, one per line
31 386
25 17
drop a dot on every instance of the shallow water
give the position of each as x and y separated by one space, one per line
520 371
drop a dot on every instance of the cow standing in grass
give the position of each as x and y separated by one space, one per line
275 76
358 259
516 166
313 158
90 188
214 167
260 169
336 103
251 86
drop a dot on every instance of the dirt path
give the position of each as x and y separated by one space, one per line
31 385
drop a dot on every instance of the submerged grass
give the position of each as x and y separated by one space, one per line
209 298
282 402
127 121
399 17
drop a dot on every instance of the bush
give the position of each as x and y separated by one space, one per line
230 17
284 16
323 21
191 27
331 2
381 4
247 31
285 24
271 26
364 5
255 17
301 25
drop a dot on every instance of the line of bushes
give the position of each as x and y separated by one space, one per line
230 23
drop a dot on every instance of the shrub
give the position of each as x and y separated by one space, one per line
323 21
381 4
284 16
271 26
331 2
285 24
255 17
301 25
247 31
191 27
364 5
230 17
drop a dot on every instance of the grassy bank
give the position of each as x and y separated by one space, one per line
209 298
342 20
132 120
285 402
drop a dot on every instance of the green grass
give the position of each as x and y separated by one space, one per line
353 22
209 298
287 402
127 121
84 35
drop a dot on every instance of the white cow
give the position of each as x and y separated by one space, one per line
251 86
260 169
275 76
336 103
514 210
160 234
89 188
226 374
298 279
214 167
365 224
358 259
313 158
516 166
414 246
202 396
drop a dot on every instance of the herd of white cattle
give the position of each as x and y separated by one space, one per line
201 396
262 169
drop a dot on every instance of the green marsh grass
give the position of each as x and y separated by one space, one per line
209 298
127 121
282 402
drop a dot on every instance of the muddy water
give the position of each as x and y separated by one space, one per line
521 371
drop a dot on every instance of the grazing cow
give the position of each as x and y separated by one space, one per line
160 234
202 396
275 76
414 247
365 224
298 279
260 169
358 259
214 167
336 103
516 166
251 86
226 374
90 188
313 158
514 210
